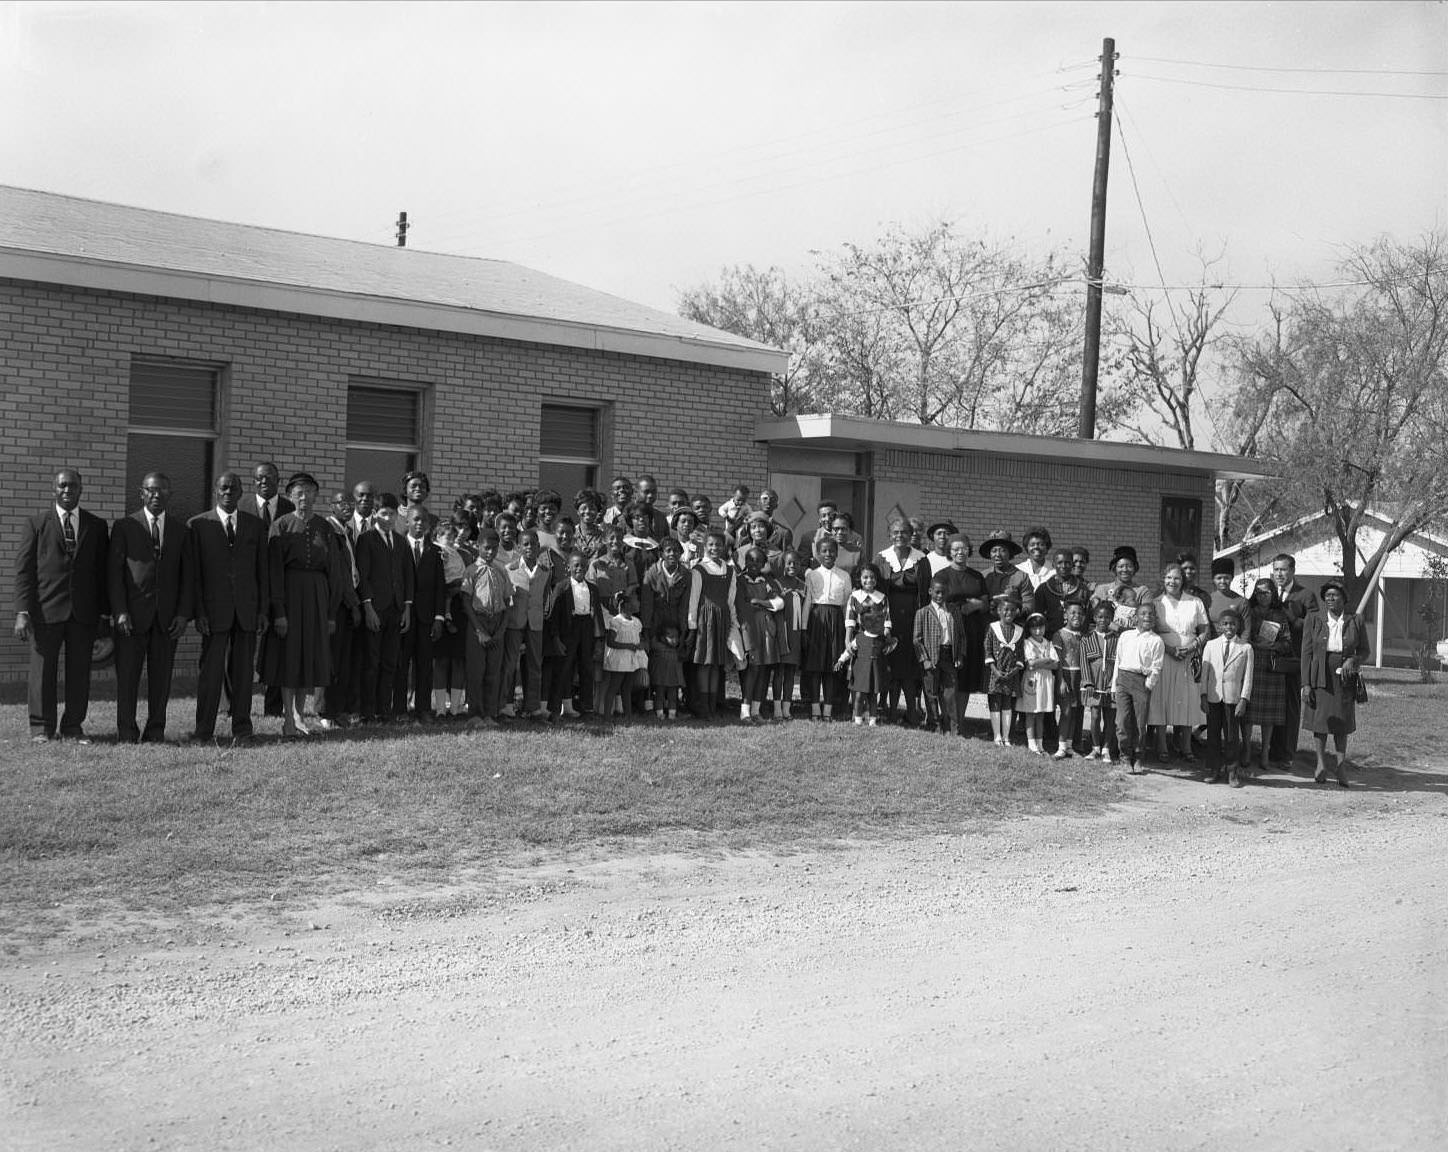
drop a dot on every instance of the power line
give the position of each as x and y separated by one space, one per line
623 188
1288 91
1268 68
630 217
1150 240
1124 106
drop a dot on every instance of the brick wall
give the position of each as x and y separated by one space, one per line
65 361
1091 505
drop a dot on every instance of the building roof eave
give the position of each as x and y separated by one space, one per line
83 272
857 433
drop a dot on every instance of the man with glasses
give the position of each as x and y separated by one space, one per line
60 603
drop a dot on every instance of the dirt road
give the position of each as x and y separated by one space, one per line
1201 969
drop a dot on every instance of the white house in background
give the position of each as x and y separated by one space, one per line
1402 588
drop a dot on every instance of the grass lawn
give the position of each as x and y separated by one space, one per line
172 830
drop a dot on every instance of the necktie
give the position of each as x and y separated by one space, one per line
230 533
266 516
68 529
417 551
156 533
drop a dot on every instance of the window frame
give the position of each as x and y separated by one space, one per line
212 436
417 450
594 462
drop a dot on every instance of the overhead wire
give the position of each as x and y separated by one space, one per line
822 178
1289 91
626 186
1278 68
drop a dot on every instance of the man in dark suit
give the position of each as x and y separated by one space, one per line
429 609
226 587
385 588
267 505
574 618
1298 603
144 574
60 600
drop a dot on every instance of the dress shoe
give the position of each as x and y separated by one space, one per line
41 738
1320 776
1342 773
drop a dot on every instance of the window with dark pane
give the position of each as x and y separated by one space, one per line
568 448
384 434
172 428
1181 526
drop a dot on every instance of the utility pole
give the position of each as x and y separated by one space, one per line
402 229
1095 263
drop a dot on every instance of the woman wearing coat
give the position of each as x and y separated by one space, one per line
1334 646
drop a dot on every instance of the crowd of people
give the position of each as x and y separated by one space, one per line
524 606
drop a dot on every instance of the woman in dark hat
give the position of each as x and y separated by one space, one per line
1223 595
1122 591
1334 648
307 582
1000 549
938 537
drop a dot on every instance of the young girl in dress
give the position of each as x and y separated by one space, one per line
713 617
666 673
1003 665
1068 679
623 655
791 633
760 605
1037 695
867 632
827 589
1098 665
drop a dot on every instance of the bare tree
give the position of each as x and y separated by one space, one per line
1364 380
764 305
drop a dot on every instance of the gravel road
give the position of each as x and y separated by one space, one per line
1201 968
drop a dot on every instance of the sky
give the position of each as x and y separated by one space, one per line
640 148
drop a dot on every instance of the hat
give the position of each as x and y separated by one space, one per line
1224 567
758 518
939 524
999 537
1125 552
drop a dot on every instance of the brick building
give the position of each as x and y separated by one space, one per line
136 339
1094 493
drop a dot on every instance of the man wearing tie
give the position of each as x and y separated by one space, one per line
385 587
146 595
267 505
60 600
429 607
226 588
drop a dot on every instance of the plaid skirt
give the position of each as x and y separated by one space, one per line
1268 704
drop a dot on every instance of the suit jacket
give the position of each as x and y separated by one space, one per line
559 620
384 576
429 589
1299 603
349 555
225 583
54 587
1226 680
249 505
143 582
928 636
1314 646
530 594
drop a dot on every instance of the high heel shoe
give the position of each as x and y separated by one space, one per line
1320 776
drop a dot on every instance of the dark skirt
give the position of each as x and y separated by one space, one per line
869 672
1068 687
449 646
303 658
824 637
1268 704
902 665
1335 713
